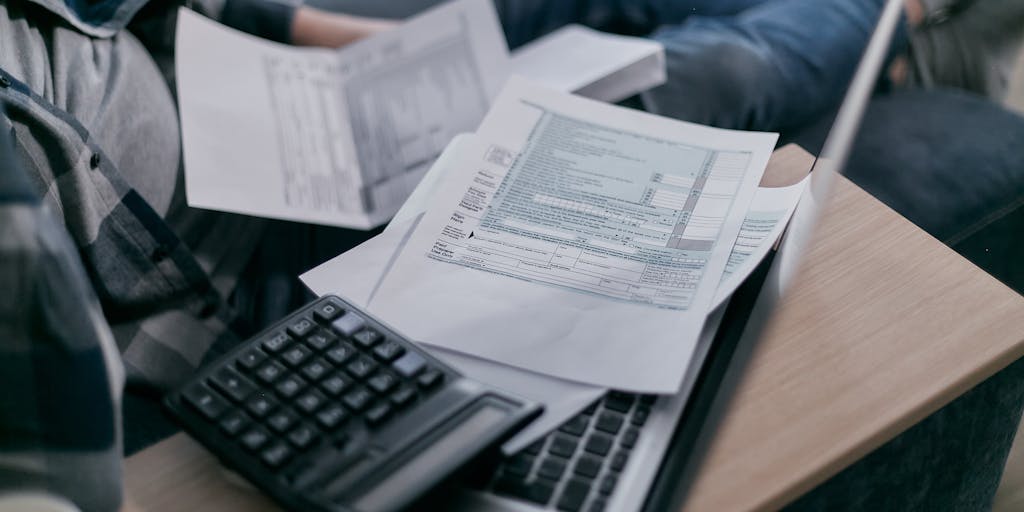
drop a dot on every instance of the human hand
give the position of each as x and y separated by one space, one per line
313 27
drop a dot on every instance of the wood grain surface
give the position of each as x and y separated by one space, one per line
883 326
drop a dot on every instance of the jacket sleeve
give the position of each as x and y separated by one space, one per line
59 367
269 19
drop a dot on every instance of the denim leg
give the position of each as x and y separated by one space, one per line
774 66
751 64
526 20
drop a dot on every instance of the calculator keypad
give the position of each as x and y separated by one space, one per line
323 373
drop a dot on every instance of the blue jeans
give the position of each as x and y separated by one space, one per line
750 64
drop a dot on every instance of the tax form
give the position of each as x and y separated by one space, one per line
585 242
338 137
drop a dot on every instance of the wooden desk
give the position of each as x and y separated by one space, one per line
884 326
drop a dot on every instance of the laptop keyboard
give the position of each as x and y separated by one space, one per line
577 466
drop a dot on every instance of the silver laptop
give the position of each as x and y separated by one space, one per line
609 456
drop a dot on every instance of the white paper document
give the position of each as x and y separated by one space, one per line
356 274
763 224
585 241
593 64
337 137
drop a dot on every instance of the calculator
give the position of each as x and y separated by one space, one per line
330 409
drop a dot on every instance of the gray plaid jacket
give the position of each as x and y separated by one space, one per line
88 271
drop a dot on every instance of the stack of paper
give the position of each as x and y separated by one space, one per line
570 246
341 137
566 247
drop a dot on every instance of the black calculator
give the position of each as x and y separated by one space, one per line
331 410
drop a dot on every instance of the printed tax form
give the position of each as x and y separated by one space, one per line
587 242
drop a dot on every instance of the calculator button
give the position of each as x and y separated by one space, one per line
378 414
232 384
389 351
349 324
341 353
327 311
320 340
430 378
296 355
233 423
301 327
251 358
316 369
255 439
331 417
260 405
335 384
281 421
277 343
206 401
310 401
361 367
276 455
367 338
270 372
302 436
409 365
382 382
357 399
403 396
290 386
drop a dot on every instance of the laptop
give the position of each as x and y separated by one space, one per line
631 452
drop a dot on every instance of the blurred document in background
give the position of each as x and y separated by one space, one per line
341 137
337 137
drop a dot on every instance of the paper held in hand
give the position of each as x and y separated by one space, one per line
341 137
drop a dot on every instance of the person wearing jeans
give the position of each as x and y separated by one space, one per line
94 127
